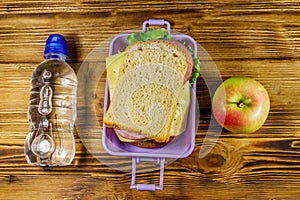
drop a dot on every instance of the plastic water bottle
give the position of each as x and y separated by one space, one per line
52 108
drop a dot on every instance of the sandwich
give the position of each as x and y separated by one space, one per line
149 87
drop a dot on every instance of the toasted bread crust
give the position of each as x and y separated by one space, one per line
151 143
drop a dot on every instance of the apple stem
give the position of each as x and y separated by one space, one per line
240 104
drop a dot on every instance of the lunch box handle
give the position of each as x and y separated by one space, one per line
149 187
156 22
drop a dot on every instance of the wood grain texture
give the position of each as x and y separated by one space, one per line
259 39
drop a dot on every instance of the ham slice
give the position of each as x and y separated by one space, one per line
129 135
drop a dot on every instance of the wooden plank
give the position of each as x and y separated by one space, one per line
272 36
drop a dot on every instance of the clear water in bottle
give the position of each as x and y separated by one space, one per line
52 108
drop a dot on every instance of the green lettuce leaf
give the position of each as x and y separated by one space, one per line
149 34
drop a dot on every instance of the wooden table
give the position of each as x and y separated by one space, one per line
258 39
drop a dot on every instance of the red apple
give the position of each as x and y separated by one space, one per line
241 105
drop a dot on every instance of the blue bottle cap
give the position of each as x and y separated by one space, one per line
56 43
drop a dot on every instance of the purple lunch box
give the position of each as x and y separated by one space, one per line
181 147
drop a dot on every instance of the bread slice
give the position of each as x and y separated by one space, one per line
149 82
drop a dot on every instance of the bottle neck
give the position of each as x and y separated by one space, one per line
59 56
